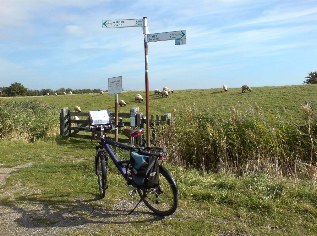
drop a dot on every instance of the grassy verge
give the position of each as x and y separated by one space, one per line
61 187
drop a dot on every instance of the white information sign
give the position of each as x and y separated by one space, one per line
115 85
178 36
99 117
122 23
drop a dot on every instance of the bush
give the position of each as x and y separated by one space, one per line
27 120
241 141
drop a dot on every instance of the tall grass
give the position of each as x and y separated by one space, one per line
243 140
27 120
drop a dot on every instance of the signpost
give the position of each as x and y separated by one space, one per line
115 87
178 36
122 23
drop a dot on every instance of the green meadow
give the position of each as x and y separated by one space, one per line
245 164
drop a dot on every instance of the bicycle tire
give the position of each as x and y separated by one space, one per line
101 171
163 199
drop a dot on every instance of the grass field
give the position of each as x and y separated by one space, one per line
60 186
286 101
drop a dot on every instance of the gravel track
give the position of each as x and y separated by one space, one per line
33 217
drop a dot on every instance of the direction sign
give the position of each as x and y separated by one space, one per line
115 85
122 23
178 36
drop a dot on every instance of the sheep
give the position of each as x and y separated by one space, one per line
47 94
246 88
76 109
157 91
225 88
101 92
164 93
122 103
70 92
64 93
55 94
169 90
138 98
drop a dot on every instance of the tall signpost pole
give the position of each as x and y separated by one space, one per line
147 105
178 36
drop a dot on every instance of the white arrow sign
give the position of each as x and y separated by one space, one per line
122 23
178 36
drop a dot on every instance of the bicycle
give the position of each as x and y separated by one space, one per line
155 187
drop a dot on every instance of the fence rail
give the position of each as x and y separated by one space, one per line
77 124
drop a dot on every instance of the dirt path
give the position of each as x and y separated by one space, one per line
35 217
7 215
5 172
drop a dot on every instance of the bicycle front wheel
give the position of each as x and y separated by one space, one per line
162 199
101 171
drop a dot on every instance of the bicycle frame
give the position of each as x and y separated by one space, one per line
105 143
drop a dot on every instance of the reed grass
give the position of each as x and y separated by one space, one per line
27 120
245 140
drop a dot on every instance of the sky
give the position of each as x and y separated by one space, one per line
52 44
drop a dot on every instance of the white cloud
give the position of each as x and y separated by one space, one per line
74 30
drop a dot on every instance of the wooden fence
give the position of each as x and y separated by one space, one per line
77 124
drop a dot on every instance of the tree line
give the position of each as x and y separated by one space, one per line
18 89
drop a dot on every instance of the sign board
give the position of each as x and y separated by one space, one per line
122 23
115 85
99 117
178 36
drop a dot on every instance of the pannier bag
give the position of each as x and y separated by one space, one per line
145 170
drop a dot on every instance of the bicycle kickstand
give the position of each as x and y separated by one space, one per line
141 199
135 207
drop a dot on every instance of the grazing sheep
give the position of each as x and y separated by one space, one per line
164 93
138 98
77 109
169 90
122 103
246 88
157 91
101 92
47 94
64 93
225 88
70 92
55 94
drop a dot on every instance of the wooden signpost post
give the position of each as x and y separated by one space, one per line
178 36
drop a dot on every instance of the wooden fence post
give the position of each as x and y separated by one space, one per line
64 120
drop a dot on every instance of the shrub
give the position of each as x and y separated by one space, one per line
27 120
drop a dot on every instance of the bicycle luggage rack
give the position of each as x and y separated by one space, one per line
78 124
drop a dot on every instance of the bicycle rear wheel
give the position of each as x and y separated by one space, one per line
163 199
101 171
